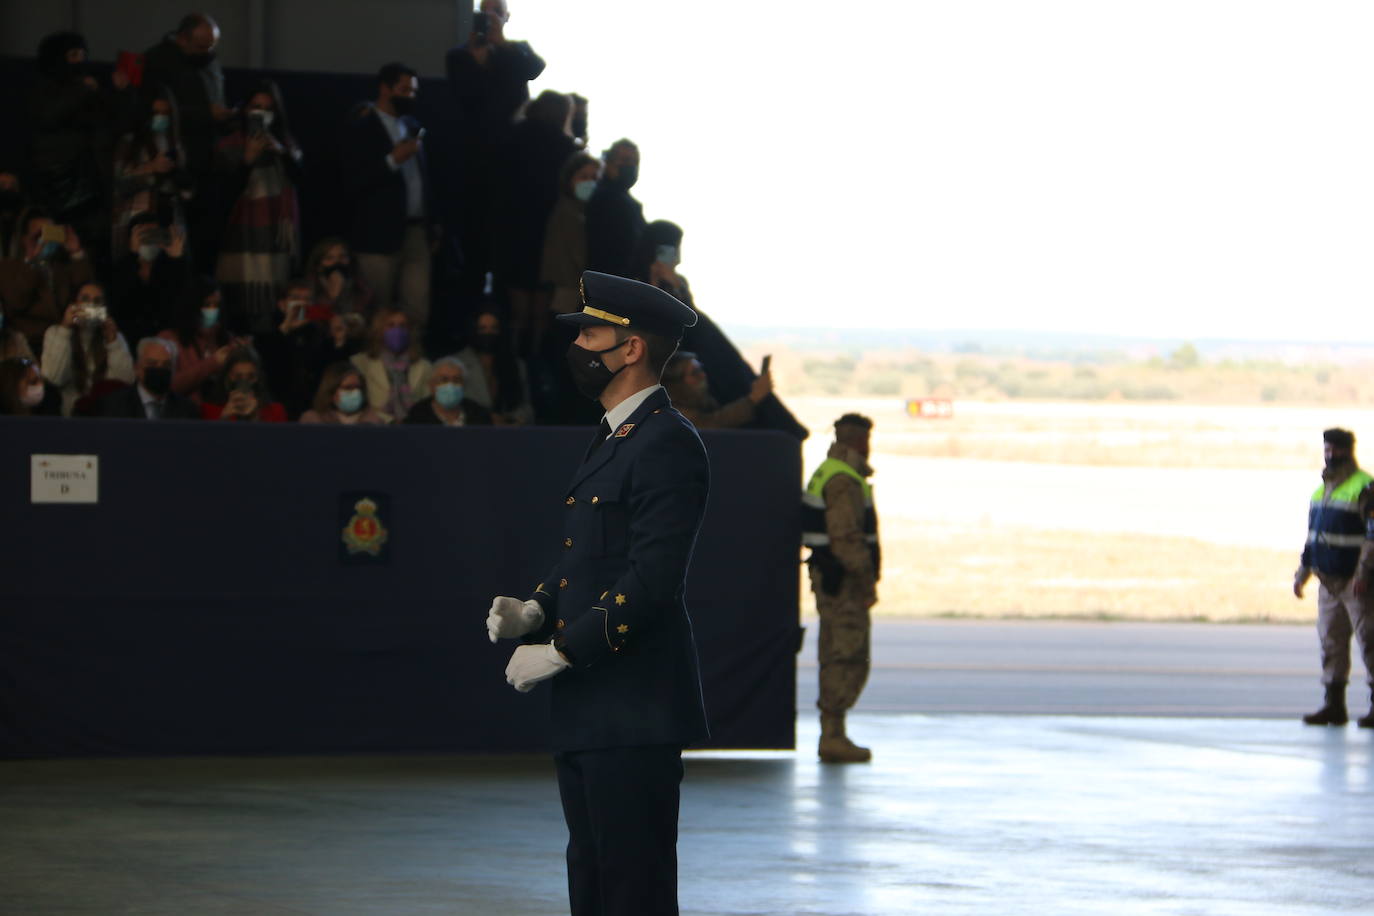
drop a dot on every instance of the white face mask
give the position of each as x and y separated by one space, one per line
33 395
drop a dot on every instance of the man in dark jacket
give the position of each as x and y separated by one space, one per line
609 623
152 398
489 76
184 64
386 180
615 220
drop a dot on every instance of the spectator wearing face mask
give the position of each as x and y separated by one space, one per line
260 169
733 382
242 395
690 391
565 236
41 279
184 64
615 220
23 391
152 398
341 399
656 259
337 288
293 353
396 375
150 278
539 146
13 345
73 120
386 181
450 404
150 172
494 377
489 76
85 349
203 343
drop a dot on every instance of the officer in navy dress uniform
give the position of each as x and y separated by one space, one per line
608 624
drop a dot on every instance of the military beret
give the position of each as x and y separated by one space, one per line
618 302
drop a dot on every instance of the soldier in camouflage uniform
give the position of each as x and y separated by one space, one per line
841 528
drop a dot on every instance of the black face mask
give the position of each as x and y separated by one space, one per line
11 200
158 380
579 125
629 174
486 343
342 270
404 104
201 61
589 372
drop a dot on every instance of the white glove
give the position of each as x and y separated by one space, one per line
531 664
510 618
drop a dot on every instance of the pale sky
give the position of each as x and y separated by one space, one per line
1163 169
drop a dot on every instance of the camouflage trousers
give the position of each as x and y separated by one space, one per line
843 650
1339 616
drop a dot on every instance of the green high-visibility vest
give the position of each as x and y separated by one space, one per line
814 533
1335 528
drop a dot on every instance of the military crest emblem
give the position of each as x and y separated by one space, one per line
364 534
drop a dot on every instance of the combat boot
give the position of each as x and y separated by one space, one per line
835 746
1333 712
1367 720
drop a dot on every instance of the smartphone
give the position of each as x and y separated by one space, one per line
767 364
420 134
54 233
295 311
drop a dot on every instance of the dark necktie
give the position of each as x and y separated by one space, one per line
602 432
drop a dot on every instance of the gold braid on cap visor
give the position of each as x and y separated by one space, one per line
606 316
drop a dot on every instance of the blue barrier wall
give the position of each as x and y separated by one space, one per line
203 605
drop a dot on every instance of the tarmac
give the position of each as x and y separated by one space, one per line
958 813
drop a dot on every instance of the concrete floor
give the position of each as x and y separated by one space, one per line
957 814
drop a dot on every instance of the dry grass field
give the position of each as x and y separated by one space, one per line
1103 510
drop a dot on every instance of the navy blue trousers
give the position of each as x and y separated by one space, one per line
621 806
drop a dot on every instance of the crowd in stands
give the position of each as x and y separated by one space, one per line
152 263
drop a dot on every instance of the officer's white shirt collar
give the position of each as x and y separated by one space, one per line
618 414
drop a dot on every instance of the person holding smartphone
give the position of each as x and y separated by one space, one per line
259 169
688 386
86 349
244 397
385 174
39 284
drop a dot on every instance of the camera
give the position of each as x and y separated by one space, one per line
93 314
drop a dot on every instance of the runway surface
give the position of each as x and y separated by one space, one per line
1062 667
990 810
